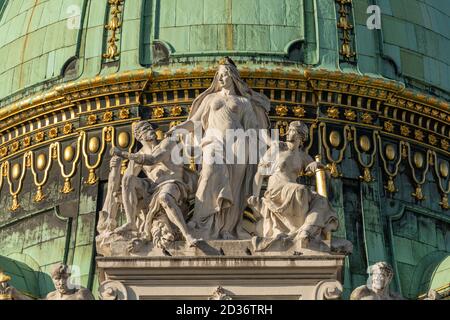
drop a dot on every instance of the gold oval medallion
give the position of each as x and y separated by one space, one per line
124 139
335 138
94 144
364 142
69 153
390 152
418 160
41 161
443 168
16 170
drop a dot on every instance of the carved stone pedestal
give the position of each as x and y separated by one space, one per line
303 274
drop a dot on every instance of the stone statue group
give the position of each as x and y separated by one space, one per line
154 192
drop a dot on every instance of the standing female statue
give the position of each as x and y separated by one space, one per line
226 106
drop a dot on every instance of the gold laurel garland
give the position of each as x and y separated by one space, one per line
390 187
92 177
418 194
444 192
15 194
39 194
67 188
334 162
367 175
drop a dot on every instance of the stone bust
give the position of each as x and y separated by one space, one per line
377 287
64 291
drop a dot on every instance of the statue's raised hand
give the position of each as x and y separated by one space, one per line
115 152
118 153
314 166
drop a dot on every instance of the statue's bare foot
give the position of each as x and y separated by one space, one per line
126 228
304 239
304 242
192 242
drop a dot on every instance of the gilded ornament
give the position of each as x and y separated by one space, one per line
92 119
445 144
364 143
418 194
69 153
443 169
15 203
390 152
39 195
404 130
40 136
176 111
92 177
108 134
335 138
41 161
281 110
67 188
124 114
389 126
28 160
367 176
419 135
390 187
159 134
350 115
334 172
418 160
16 170
367 118
54 151
292 84
404 152
4 169
431 159
333 112
174 123
444 202
108 116
68 128
299 111
124 139
15 146
26 142
282 127
432 139
94 144
4 152
113 26
53 133
158 112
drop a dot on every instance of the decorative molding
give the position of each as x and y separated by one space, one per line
114 25
328 290
346 31
112 290
64 115
220 294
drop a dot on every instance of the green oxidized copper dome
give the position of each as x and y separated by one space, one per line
40 39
